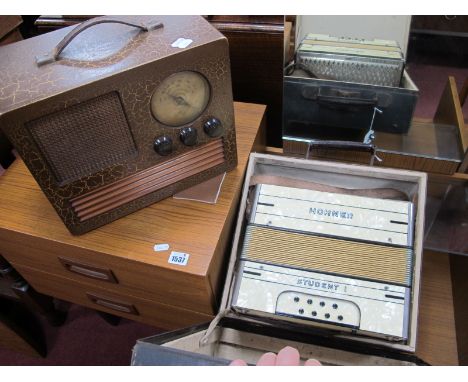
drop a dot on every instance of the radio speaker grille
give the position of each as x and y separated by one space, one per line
84 138
152 179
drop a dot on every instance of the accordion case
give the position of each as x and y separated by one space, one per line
326 257
119 112
330 109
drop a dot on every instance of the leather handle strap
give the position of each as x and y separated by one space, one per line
53 55
347 101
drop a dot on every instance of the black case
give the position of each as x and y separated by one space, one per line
154 351
326 109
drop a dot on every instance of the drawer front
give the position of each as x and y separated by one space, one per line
119 275
160 315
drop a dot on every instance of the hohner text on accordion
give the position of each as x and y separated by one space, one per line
347 216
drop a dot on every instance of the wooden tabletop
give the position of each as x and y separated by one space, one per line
436 341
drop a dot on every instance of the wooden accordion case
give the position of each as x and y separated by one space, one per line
118 113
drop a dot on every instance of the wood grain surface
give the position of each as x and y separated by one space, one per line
9 24
256 45
418 150
163 316
31 234
449 111
459 267
437 342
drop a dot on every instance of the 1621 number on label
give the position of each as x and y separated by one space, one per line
178 258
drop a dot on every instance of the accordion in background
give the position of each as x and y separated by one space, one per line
375 62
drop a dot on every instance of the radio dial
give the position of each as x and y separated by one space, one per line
163 145
180 98
189 136
213 127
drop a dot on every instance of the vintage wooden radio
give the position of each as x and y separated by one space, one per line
119 113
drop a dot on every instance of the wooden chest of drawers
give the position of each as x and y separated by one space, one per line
115 268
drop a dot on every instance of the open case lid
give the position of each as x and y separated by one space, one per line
341 175
232 339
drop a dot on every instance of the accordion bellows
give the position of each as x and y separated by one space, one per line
332 255
375 62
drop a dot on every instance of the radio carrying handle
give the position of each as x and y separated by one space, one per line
53 55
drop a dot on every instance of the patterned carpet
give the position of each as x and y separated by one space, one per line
431 80
84 339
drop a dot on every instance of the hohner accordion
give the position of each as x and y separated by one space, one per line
335 260
326 257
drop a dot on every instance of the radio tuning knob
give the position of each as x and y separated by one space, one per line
213 127
163 145
189 136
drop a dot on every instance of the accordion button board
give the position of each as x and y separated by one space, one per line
329 259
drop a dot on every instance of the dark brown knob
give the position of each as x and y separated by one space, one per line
163 145
213 127
189 136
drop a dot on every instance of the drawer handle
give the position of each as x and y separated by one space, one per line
87 270
112 304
